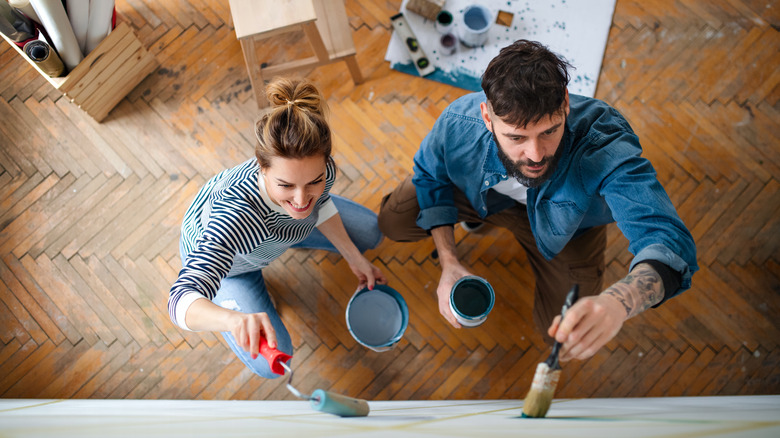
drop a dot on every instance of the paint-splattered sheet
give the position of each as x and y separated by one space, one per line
575 29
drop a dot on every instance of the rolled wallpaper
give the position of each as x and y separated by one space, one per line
47 60
15 25
100 13
78 14
55 20
26 7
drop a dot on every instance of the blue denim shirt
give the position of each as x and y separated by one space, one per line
601 178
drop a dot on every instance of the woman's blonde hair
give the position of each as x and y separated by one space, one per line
296 126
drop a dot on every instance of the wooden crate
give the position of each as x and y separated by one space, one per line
106 75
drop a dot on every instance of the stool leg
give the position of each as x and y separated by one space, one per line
315 39
354 69
253 69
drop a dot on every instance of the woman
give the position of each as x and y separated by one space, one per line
247 216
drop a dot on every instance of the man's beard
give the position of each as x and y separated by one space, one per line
513 167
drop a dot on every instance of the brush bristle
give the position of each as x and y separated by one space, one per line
539 398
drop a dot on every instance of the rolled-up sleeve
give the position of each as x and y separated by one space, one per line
431 180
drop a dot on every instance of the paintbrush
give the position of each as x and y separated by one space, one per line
540 396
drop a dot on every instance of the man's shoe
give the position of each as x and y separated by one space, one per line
472 226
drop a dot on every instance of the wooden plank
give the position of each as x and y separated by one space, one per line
19 191
119 355
25 362
30 138
155 310
68 208
68 300
46 314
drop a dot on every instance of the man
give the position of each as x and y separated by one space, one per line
553 169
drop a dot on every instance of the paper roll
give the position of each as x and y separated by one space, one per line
100 13
55 20
78 15
26 7
15 25
47 60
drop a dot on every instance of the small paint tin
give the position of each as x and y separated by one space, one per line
474 26
377 318
444 22
471 300
448 43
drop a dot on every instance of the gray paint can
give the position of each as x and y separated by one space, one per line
377 318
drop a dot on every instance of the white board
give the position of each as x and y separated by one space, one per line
737 416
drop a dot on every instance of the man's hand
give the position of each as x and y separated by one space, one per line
589 324
594 321
451 269
449 275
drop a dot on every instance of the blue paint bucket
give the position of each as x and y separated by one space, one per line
377 318
476 21
471 299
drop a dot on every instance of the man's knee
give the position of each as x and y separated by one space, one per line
398 214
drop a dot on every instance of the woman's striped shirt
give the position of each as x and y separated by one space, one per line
232 227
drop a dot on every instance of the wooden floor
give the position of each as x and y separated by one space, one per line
90 213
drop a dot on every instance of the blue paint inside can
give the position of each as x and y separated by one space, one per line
475 19
377 318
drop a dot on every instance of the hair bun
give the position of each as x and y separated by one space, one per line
297 93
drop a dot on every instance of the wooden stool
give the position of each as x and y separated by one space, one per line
323 21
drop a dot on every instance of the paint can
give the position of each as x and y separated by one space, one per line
471 300
448 43
377 318
474 25
444 22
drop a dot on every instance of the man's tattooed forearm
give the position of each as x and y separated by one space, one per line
641 289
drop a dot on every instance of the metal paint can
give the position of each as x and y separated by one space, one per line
448 44
475 22
377 318
471 300
444 22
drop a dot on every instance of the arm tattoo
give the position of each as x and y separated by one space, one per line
641 289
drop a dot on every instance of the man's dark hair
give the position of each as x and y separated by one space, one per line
525 83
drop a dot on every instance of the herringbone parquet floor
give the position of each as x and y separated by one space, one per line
89 219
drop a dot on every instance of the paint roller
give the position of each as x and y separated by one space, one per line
319 400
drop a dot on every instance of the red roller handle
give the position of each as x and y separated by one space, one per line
273 356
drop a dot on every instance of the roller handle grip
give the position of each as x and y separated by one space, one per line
273 356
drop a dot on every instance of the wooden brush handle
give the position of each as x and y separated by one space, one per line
571 297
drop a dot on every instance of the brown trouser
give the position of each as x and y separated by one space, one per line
580 262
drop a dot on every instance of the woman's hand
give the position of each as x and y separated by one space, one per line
248 328
367 273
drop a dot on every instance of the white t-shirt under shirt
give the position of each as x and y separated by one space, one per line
513 188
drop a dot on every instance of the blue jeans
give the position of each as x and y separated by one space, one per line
247 292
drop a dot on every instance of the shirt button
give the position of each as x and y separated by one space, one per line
487 183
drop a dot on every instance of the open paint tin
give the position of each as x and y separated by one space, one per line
476 21
471 300
377 318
